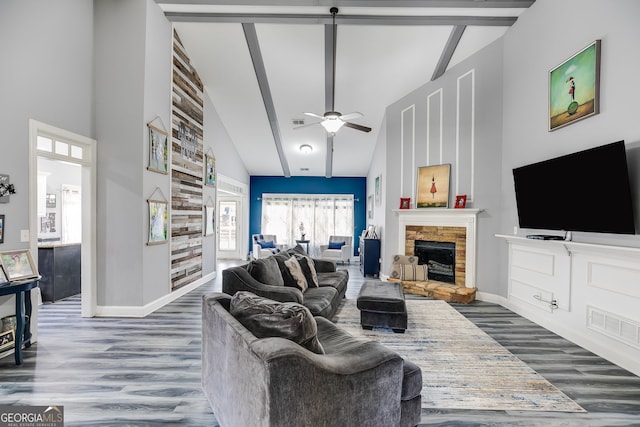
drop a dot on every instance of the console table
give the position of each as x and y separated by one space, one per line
22 291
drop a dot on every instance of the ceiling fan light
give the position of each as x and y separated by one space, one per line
332 125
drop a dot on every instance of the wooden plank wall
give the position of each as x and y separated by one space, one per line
187 170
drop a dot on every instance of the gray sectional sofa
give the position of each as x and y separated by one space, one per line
275 381
269 277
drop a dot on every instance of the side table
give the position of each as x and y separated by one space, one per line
22 291
304 242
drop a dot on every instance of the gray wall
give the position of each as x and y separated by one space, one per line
471 97
100 69
511 119
41 81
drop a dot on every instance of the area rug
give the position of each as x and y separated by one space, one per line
462 366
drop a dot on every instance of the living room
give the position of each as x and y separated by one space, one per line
507 82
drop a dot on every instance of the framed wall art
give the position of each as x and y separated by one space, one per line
158 149
433 186
3 276
7 339
378 190
18 265
370 206
210 169
158 219
574 88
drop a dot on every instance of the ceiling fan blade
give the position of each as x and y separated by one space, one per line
351 116
357 127
306 125
314 115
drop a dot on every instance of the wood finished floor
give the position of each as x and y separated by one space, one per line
146 372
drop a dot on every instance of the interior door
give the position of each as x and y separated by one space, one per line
229 215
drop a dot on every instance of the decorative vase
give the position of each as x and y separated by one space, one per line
302 237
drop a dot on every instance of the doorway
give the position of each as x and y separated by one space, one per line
232 219
63 213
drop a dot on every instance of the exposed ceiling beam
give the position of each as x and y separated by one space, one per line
261 74
329 41
284 18
449 49
329 165
363 3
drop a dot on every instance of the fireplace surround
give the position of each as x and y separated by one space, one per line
442 225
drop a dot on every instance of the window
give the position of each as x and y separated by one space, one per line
320 215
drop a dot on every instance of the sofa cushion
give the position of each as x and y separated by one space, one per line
296 271
321 301
337 279
267 271
309 270
413 272
267 318
336 245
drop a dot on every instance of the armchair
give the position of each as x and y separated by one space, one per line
334 251
265 245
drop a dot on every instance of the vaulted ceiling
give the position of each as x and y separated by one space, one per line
265 63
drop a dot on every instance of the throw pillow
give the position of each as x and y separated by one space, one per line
414 272
267 318
297 249
405 259
308 269
336 245
397 261
267 271
296 271
287 278
267 245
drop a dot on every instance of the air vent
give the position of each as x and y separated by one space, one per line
297 122
304 169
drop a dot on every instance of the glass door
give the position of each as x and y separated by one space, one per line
228 220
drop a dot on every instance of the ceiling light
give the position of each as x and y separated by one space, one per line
332 123
306 148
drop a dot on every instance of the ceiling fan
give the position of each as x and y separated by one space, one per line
333 120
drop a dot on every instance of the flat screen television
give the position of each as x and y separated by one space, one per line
584 191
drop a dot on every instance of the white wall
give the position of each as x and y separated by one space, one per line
545 36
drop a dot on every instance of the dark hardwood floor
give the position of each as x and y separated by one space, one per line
146 372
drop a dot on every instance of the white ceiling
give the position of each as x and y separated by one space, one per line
385 49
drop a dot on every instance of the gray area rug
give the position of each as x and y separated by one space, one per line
462 366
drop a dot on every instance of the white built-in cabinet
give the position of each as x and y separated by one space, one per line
587 293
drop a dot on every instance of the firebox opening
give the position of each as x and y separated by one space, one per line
440 258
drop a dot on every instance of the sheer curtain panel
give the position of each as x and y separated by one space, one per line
320 216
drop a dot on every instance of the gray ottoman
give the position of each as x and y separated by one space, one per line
382 304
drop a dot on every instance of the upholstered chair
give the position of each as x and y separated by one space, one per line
339 249
265 245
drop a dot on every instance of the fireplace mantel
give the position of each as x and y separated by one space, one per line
466 218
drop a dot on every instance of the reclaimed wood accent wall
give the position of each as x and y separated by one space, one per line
186 169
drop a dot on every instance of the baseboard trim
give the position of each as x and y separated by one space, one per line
142 311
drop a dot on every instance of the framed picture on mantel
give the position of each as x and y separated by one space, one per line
433 186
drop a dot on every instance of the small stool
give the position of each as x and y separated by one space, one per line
382 304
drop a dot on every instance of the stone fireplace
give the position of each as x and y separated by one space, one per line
456 227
